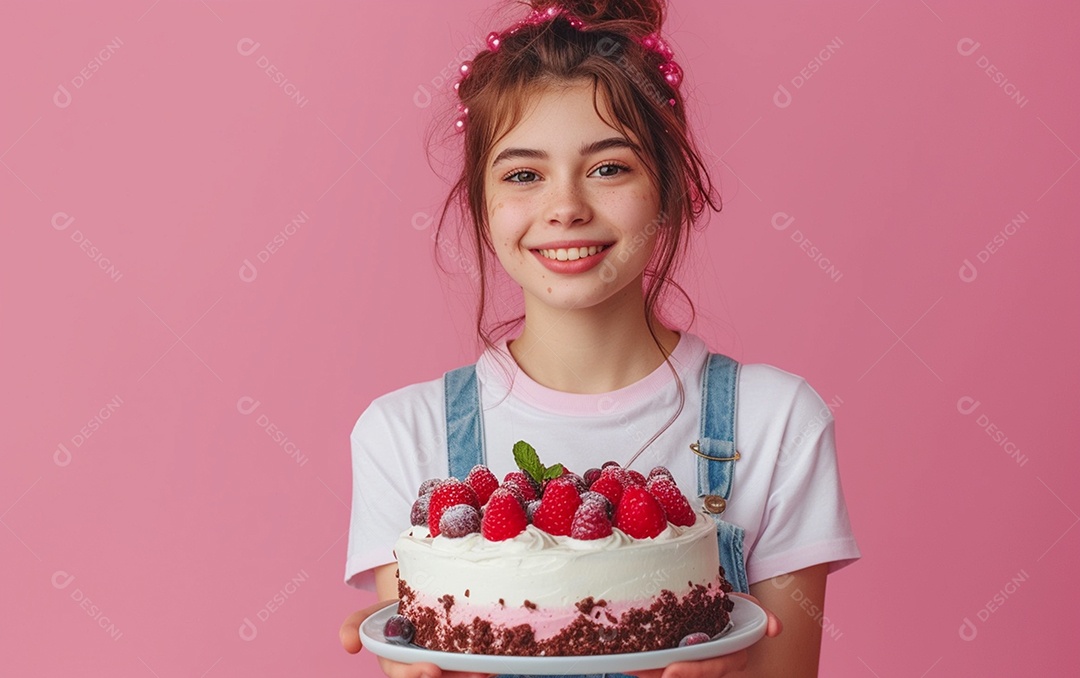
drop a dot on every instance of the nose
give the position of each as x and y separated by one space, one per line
567 204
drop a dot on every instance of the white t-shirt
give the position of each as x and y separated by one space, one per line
786 491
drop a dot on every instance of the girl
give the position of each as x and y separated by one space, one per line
581 179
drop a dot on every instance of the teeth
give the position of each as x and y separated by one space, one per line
573 253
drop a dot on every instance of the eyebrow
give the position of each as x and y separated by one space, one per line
587 149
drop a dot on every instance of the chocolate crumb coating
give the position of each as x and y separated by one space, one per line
659 626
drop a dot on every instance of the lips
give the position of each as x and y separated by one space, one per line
572 257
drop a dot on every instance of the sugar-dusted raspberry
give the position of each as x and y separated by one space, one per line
610 487
557 508
590 521
618 473
504 518
695 639
399 630
577 480
639 514
609 508
660 471
635 477
449 493
525 487
530 509
419 514
459 520
483 482
676 506
428 486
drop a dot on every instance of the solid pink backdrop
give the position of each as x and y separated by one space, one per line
899 227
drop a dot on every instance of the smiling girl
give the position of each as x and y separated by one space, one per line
581 179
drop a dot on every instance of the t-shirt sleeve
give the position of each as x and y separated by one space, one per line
806 520
390 458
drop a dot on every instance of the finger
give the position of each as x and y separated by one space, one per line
349 633
709 668
419 670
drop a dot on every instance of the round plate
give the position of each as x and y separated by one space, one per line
749 622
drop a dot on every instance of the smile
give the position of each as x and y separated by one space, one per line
573 253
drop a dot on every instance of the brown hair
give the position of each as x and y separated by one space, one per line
607 52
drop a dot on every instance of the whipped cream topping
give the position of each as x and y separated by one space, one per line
556 571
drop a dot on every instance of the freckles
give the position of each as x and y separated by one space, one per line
549 290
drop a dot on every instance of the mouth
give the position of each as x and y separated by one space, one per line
571 253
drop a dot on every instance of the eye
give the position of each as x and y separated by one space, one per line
605 169
529 176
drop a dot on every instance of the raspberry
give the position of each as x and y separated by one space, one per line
590 521
635 477
483 482
639 514
577 480
428 486
524 486
694 639
609 463
610 487
596 497
399 630
676 506
419 513
618 473
447 494
503 517
556 512
661 471
459 520
591 475
530 509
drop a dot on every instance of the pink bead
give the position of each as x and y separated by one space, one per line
465 68
493 41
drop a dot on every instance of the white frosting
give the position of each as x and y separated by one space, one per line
559 571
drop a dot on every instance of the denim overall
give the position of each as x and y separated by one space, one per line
715 450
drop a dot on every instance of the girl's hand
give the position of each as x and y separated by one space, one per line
724 665
350 640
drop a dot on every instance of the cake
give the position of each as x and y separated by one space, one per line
548 563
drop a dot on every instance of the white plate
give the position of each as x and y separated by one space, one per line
749 622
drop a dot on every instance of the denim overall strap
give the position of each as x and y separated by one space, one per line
719 403
465 440
464 421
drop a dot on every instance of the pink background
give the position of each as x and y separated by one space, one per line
155 545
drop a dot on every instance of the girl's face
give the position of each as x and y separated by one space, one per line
573 213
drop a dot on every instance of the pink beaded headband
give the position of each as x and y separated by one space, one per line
653 42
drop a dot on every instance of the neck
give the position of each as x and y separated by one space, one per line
591 350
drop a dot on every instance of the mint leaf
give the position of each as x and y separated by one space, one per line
553 471
528 461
